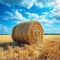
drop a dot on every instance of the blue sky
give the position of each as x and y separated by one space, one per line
47 12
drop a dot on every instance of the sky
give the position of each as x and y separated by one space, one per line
47 12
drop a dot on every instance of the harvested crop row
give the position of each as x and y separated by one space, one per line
31 51
26 52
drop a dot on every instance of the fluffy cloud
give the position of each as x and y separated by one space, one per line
32 16
52 30
48 24
41 18
57 4
25 3
44 3
28 3
14 16
56 11
3 29
39 3
17 16
47 19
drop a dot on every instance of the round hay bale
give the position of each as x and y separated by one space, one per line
30 32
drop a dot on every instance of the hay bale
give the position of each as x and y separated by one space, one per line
30 32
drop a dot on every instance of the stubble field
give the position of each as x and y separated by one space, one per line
5 38
50 48
46 38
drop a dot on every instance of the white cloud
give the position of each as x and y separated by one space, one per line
51 30
17 16
28 3
56 10
55 14
44 3
14 16
57 4
48 24
6 18
32 15
39 4
3 29
41 18
25 3
56 30
50 3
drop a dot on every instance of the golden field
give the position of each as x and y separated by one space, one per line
5 38
50 48
8 38
51 38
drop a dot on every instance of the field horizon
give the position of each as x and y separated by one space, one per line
8 38
44 34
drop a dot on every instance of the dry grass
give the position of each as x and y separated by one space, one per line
50 48
51 38
5 38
